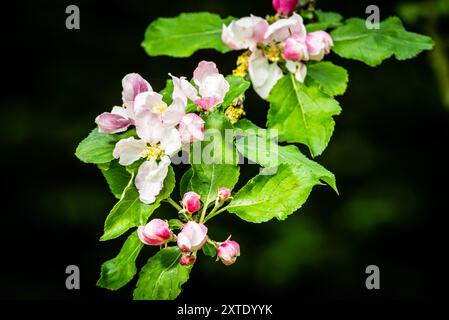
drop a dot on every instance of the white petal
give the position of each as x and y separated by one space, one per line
204 69
214 86
149 126
283 28
120 111
297 68
174 113
150 179
128 150
263 74
170 141
147 101
182 89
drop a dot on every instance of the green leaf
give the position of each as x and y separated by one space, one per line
175 224
208 178
131 212
117 272
273 196
331 79
116 176
184 184
209 250
237 87
167 92
325 20
302 114
97 147
218 143
162 277
270 155
183 35
354 40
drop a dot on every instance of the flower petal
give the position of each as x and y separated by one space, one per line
170 141
151 101
174 113
149 126
128 150
115 121
183 89
214 86
283 28
204 69
263 74
133 84
150 179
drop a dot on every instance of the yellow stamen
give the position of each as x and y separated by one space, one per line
242 65
153 152
234 113
273 52
160 107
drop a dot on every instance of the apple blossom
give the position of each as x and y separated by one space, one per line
113 122
223 194
295 48
191 202
319 43
228 251
187 260
244 33
133 84
154 233
212 86
191 128
263 74
192 236
285 7
298 68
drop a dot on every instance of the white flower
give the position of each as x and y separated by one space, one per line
158 141
212 86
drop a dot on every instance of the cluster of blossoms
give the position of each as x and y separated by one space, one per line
272 49
193 235
161 130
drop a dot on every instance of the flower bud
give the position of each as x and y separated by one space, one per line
155 233
192 236
228 252
191 128
187 260
113 122
191 202
285 7
223 194
318 44
295 48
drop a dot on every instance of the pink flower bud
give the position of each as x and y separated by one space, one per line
187 260
285 7
318 44
155 233
295 48
223 194
192 236
228 252
191 202
191 128
112 122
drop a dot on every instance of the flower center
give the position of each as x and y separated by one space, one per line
242 64
160 107
153 152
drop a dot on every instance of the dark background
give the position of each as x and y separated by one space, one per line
387 152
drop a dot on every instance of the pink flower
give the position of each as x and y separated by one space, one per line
295 48
155 233
133 84
191 202
212 86
191 128
192 236
244 33
285 7
187 260
284 28
228 252
318 44
223 194
113 122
